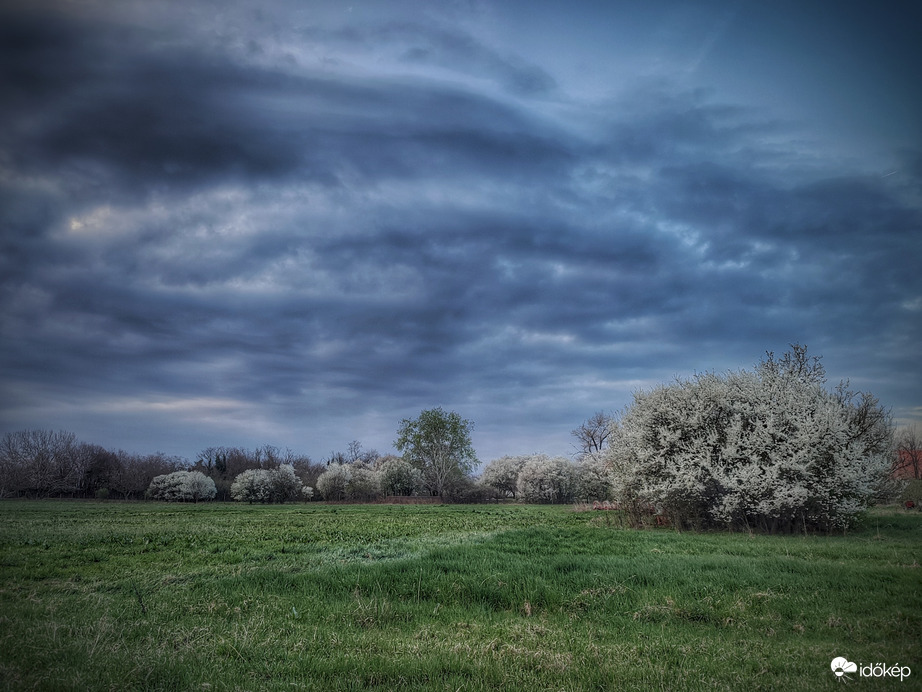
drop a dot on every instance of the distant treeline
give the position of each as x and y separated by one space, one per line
44 464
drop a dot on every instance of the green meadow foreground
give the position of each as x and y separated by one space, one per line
153 596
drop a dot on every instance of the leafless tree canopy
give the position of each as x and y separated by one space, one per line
592 436
908 460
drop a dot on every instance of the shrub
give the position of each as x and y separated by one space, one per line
593 478
182 486
464 490
503 474
251 486
544 479
266 485
398 477
284 484
363 484
334 482
770 449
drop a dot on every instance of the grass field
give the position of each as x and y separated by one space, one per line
97 596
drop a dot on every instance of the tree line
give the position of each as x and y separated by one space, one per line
55 464
769 449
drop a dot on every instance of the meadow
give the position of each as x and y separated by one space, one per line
152 596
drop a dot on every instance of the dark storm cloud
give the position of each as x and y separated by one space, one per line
112 103
340 239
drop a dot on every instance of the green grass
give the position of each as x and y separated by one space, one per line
97 596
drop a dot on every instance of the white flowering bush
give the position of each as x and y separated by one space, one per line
334 482
771 449
503 474
364 484
544 479
285 483
251 486
593 478
182 486
267 485
399 477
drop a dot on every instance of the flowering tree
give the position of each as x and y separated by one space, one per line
503 474
593 477
547 479
364 484
284 483
771 449
334 482
182 486
251 486
267 485
397 477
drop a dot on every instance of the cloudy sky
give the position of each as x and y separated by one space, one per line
297 222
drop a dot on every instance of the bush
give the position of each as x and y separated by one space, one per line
593 478
503 474
770 449
544 479
284 484
398 477
251 486
334 482
364 484
464 490
182 486
266 485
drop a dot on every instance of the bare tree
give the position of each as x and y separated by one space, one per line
592 436
41 463
908 461
99 468
135 473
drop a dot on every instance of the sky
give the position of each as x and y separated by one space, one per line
298 223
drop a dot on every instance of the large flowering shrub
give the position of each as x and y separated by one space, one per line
771 449
333 484
364 485
545 479
267 485
593 477
182 486
503 474
398 477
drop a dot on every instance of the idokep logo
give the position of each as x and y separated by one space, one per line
842 667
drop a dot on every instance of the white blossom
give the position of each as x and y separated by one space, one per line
503 474
266 485
771 448
334 482
546 479
399 477
182 486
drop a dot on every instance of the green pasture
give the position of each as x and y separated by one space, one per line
149 596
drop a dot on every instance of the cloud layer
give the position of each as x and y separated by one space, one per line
273 227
